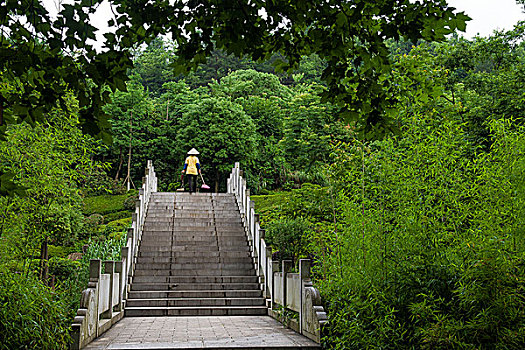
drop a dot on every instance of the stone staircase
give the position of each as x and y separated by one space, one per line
194 260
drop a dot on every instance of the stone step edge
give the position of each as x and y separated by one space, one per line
197 307
194 291
197 299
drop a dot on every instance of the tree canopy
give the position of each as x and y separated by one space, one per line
349 35
46 57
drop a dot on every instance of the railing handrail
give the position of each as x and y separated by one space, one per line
102 302
292 291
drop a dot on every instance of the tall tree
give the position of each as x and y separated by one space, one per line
152 65
223 134
129 113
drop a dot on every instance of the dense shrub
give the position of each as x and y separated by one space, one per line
118 228
31 316
104 249
430 253
62 268
287 237
99 183
131 201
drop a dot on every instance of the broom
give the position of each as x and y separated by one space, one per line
204 186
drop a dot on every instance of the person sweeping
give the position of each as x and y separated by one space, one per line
192 168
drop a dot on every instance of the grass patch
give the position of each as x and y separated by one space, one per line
104 204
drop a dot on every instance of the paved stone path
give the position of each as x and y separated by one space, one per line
208 332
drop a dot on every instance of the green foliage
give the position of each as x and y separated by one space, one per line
245 83
63 268
269 206
288 237
58 251
77 280
37 63
152 65
126 214
481 78
312 202
418 239
99 183
51 161
130 203
31 316
431 240
223 134
109 215
118 228
105 249
357 60
104 204
46 58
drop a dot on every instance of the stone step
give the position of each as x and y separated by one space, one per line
220 245
169 248
189 233
192 260
202 203
197 254
194 249
194 302
180 245
196 279
242 243
168 227
182 228
195 311
194 272
204 293
149 286
188 195
192 214
239 231
147 237
199 210
198 194
201 265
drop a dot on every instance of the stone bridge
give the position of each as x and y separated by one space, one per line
196 274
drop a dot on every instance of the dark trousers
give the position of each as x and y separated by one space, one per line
192 182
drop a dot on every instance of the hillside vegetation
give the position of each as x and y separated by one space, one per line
411 203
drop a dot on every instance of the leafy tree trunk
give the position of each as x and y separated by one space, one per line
120 162
128 177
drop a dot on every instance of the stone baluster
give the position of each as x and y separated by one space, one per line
86 325
274 267
287 268
311 314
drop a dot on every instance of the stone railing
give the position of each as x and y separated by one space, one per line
102 303
282 289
